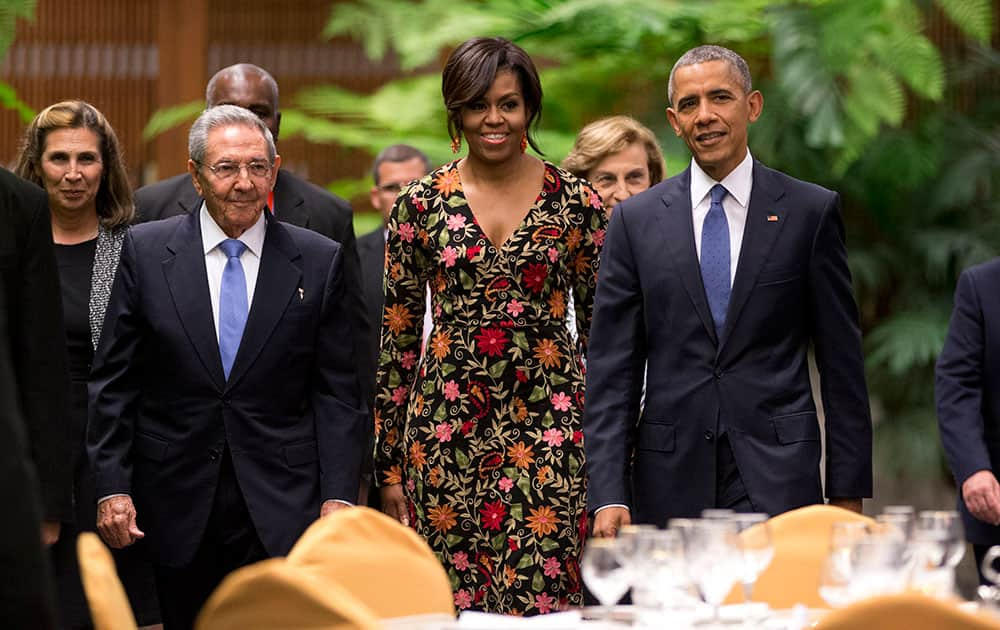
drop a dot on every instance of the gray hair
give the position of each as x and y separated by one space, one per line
241 70
225 116
701 54
399 153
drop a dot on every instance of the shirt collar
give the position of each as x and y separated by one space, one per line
212 234
738 182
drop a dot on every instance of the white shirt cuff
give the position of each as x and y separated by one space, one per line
111 496
611 505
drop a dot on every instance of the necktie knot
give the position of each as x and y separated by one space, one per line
718 193
232 247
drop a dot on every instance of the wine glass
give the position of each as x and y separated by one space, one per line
938 544
835 580
603 571
757 546
878 563
628 545
717 513
714 560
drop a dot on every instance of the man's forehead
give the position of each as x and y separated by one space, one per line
236 137
711 75
243 89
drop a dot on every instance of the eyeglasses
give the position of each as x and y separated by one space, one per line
228 170
392 187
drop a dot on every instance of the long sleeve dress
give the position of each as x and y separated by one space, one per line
484 430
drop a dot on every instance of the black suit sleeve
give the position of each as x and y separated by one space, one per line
615 361
39 344
836 337
959 384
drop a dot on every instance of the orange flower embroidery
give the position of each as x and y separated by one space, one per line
418 457
509 574
393 476
398 318
547 352
543 474
557 304
448 182
520 455
574 238
434 476
543 521
378 424
418 405
520 409
581 263
440 345
442 517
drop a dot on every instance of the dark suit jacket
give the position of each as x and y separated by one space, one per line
161 412
371 252
34 402
297 202
792 288
967 386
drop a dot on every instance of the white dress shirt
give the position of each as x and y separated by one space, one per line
738 183
215 259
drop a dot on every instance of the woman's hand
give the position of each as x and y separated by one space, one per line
394 503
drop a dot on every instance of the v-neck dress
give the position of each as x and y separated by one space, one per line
484 430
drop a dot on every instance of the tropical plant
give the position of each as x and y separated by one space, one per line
10 12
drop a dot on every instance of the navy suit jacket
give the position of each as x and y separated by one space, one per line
792 288
967 386
161 411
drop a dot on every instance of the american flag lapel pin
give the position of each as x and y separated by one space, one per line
772 218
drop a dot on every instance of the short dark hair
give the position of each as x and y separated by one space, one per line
709 52
471 70
242 70
399 153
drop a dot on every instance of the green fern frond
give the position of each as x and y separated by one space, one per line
907 340
169 117
10 12
973 17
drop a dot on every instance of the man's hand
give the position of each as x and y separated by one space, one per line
116 522
50 532
608 521
981 494
330 506
394 503
851 504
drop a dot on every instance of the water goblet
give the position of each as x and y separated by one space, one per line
603 571
714 560
757 546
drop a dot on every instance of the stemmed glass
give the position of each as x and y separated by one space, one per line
757 546
603 570
939 544
714 560
631 557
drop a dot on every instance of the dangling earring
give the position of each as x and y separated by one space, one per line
456 144
524 141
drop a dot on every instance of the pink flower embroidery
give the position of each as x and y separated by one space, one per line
461 560
463 599
506 484
553 436
455 222
551 567
406 232
515 308
443 432
451 391
543 602
449 254
561 402
399 395
553 254
409 360
599 237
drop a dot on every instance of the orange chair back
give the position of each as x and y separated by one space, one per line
906 611
109 607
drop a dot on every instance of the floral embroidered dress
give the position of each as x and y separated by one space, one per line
485 432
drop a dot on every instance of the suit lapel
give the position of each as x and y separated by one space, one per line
759 237
189 200
277 280
289 205
678 228
187 281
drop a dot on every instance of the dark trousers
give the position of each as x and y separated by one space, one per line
230 542
730 493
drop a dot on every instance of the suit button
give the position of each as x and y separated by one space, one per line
709 436
718 374
213 454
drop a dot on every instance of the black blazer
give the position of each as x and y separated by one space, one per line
161 411
967 386
371 252
34 402
792 288
297 202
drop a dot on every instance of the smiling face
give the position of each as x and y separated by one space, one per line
72 169
494 124
711 113
620 175
235 203
248 90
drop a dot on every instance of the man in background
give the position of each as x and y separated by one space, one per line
293 199
394 167
34 405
